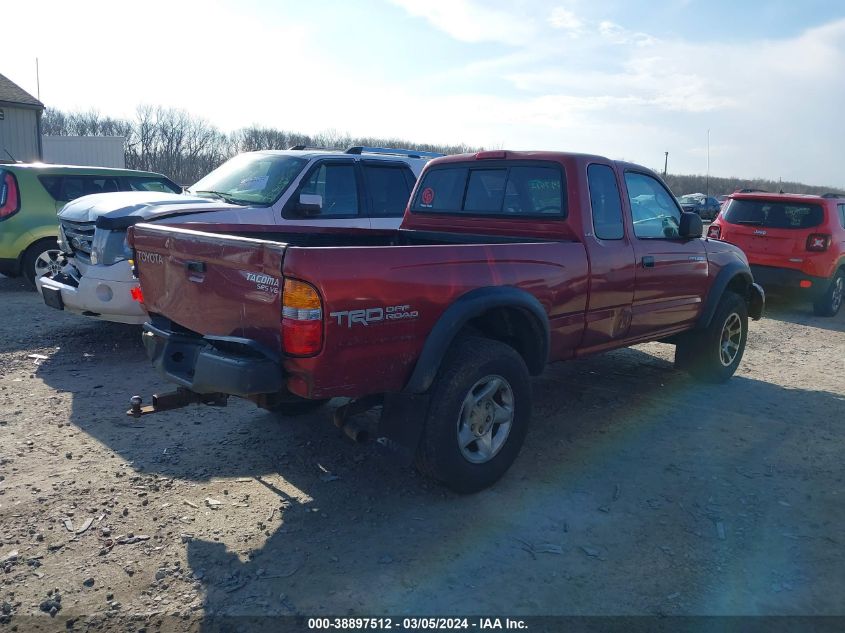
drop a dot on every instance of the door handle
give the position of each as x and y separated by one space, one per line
648 261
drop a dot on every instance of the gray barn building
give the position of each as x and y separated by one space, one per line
20 123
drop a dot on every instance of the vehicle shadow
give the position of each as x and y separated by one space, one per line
791 309
22 308
625 456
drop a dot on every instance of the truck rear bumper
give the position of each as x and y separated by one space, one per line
193 362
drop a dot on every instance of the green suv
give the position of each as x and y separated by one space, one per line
30 196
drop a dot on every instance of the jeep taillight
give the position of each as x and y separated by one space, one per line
302 319
714 231
818 242
10 201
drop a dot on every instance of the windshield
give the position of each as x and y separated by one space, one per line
774 214
252 178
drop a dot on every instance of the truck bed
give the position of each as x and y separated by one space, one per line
230 285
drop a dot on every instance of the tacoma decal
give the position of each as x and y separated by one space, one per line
375 315
264 283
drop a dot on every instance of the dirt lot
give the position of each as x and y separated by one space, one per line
639 491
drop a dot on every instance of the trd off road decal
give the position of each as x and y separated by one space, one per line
264 283
368 316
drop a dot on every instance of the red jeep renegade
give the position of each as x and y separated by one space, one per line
792 242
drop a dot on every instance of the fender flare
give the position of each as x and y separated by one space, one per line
467 307
730 272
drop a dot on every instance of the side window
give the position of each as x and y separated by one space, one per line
72 188
654 211
337 185
842 215
53 185
605 202
387 189
93 184
151 184
485 190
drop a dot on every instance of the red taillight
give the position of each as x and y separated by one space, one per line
805 283
9 198
302 319
818 242
137 294
714 231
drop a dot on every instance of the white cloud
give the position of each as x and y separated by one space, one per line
566 20
470 21
617 34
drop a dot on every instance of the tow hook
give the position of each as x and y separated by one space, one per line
174 400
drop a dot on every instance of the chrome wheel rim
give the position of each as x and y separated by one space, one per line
730 340
838 288
47 263
485 420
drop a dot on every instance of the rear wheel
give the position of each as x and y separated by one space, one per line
478 416
714 353
41 258
830 302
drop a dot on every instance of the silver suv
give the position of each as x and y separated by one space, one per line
363 187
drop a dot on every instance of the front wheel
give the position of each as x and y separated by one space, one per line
41 258
478 416
830 302
714 353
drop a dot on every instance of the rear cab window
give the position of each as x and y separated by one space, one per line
499 188
774 214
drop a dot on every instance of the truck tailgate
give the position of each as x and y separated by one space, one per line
216 284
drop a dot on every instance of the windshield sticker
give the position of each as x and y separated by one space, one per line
427 197
251 184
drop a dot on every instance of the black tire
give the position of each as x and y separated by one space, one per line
32 253
703 353
829 303
471 361
293 408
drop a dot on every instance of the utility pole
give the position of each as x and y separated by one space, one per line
707 185
38 79
665 163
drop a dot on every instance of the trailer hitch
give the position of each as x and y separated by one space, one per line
174 400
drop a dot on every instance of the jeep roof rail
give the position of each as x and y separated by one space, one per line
410 153
833 195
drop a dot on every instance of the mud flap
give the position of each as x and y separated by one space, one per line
401 424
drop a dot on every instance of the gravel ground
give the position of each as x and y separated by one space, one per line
638 492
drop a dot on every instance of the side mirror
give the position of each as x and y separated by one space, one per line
310 204
691 226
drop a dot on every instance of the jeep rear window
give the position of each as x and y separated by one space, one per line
501 188
774 214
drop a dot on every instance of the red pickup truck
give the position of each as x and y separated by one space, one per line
505 261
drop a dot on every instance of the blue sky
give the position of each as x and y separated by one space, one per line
629 80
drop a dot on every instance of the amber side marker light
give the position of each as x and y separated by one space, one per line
302 319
